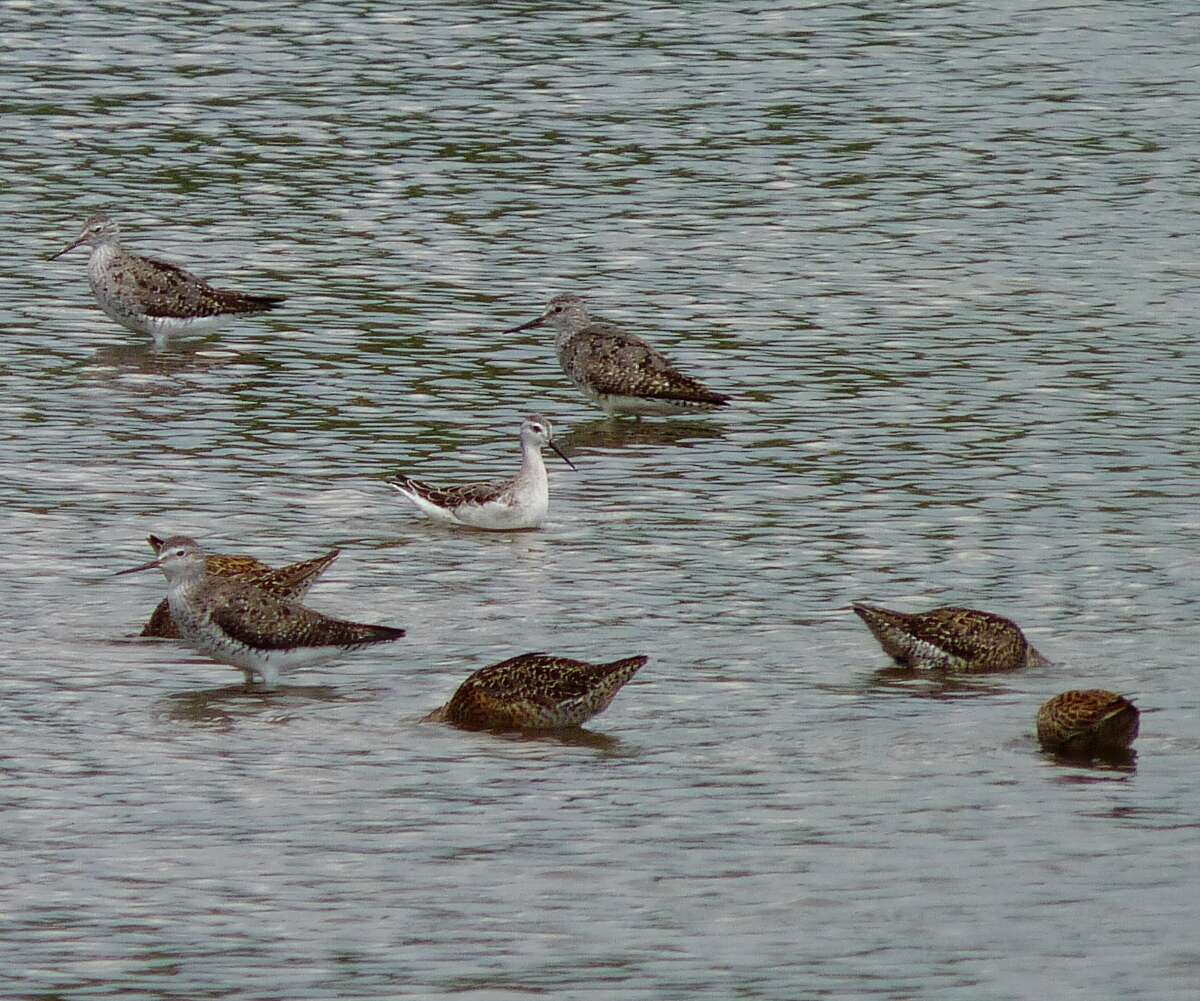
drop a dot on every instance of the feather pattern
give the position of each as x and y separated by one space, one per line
616 369
291 582
239 612
536 691
603 361
160 289
1088 721
502 505
156 297
950 639
247 627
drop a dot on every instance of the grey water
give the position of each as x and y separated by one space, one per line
944 255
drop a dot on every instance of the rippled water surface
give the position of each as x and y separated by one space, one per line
946 258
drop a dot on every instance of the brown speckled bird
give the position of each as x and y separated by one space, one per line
246 627
1087 721
951 639
615 369
290 582
536 691
155 297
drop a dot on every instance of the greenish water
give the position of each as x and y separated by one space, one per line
945 259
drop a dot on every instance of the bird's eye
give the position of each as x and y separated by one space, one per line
558 309
538 428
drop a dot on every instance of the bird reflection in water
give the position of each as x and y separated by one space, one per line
604 434
923 684
222 707
1095 764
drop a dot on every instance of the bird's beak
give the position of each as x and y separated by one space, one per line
145 566
66 250
524 326
563 457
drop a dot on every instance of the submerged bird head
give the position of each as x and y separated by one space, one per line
562 312
536 431
97 230
179 558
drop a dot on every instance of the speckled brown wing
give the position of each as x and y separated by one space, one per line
950 638
604 359
292 582
980 637
161 625
1088 720
162 289
235 565
452 497
537 691
252 617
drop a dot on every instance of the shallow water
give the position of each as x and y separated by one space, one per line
944 258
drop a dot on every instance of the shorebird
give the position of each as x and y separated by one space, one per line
951 639
1087 721
154 297
290 582
536 691
505 505
244 626
617 370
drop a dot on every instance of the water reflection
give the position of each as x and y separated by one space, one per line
1118 759
613 433
929 684
572 737
148 358
221 707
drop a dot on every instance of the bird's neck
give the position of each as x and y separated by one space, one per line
184 585
103 254
532 463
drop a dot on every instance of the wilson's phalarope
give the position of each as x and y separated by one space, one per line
506 505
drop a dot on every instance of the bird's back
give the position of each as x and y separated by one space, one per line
950 638
291 582
225 612
537 690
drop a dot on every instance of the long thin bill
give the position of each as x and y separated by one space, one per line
65 250
525 326
563 457
145 566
